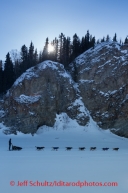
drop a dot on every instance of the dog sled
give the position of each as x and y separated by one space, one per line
16 148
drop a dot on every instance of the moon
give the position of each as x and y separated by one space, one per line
50 48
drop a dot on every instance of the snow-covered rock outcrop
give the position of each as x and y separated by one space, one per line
38 95
102 77
96 85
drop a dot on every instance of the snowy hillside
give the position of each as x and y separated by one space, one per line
67 166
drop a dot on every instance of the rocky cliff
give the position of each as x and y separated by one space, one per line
38 95
102 77
97 81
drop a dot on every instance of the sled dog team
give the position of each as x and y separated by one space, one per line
56 148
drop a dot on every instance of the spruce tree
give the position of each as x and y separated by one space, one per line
86 43
56 47
87 40
64 57
107 38
24 58
92 42
75 46
31 61
103 40
67 52
8 73
126 40
40 59
115 38
45 50
17 69
1 78
61 49
35 58
82 45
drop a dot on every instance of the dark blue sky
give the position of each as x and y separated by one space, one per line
24 20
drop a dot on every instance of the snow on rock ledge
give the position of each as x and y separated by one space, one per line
27 99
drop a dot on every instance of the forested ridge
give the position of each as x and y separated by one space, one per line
64 51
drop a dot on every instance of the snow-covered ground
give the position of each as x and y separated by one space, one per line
67 166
